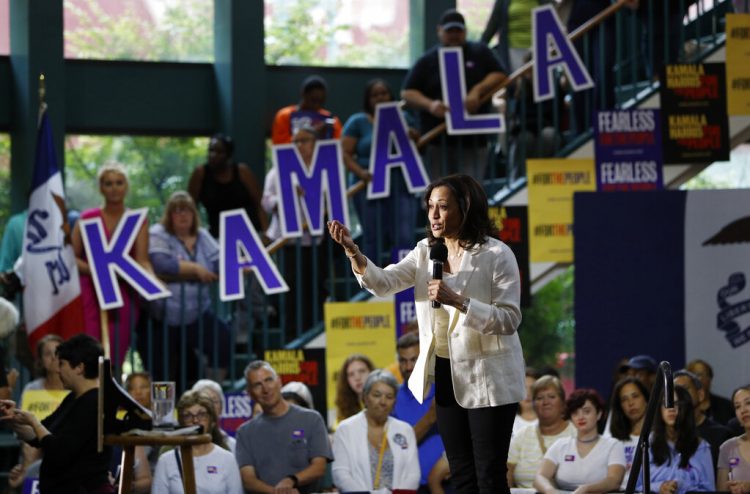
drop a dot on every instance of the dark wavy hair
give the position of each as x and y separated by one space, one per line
82 349
369 109
579 397
620 425
687 434
347 401
476 224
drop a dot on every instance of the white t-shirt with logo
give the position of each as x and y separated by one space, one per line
574 471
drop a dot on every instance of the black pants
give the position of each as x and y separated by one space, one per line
476 440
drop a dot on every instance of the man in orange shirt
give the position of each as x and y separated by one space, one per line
309 111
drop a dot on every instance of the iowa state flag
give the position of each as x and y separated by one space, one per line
52 293
663 274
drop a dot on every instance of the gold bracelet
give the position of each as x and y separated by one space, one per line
353 255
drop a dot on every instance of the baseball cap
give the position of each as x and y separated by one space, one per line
645 362
452 19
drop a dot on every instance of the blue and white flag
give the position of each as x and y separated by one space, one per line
52 293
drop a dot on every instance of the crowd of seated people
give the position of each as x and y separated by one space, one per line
566 447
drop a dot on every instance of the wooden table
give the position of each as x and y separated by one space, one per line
185 443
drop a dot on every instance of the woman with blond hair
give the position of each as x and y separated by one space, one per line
113 186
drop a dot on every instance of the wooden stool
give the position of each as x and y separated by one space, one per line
185 443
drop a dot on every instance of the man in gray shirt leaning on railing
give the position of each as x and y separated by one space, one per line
286 447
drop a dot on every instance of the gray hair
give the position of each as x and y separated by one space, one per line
202 384
380 376
257 365
690 375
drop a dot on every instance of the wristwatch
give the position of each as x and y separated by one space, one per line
465 305
295 480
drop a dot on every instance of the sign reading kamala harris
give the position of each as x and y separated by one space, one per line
551 49
628 150
453 83
109 258
695 126
392 148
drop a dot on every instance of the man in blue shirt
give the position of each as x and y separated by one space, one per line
422 416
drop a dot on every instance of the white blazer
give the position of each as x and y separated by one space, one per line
485 352
351 464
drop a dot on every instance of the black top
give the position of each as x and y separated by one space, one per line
70 462
714 434
424 76
721 409
217 197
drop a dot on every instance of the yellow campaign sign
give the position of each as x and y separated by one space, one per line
357 327
551 184
41 402
738 70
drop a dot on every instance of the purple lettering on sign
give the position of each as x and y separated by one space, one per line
453 82
324 179
240 248
391 148
108 258
552 49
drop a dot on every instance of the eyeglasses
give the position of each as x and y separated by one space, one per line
181 210
192 417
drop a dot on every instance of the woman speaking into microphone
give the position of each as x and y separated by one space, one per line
468 345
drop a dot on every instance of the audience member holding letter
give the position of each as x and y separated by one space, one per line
468 346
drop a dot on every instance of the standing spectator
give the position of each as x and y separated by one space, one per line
585 463
708 429
734 455
189 256
308 112
12 244
628 411
511 21
372 438
714 406
528 447
216 471
222 184
68 437
350 382
298 432
421 416
299 257
680 459
113 185
422 90
357 145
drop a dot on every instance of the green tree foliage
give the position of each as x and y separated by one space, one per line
295 36
157 166
4 181
184 33
548 327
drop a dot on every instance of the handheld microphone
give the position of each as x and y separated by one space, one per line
438 256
